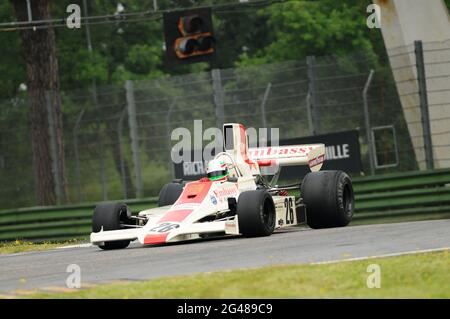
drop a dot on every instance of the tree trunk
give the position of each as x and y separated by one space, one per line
39 50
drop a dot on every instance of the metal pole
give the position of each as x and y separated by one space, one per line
95 102
422 81
122 163
266 137
132 122
30 15
367 123
169 144
77 156
309 114
103 172
218 97
263 105
53 148
88 30
310 62
89 47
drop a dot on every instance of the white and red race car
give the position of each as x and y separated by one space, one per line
244 203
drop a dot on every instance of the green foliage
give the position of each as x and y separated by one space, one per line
12 67
142 58
124 50
297 29
133 50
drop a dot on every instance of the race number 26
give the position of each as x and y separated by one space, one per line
289 205
164 227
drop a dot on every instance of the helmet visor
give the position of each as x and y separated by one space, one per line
217 175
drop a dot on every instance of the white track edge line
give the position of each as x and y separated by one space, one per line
411 252
76 246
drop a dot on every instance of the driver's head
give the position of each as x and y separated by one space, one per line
217 170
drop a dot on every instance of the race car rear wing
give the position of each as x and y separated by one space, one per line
235 143
312 155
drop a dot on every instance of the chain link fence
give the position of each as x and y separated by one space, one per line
118 138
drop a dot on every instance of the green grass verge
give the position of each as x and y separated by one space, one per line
409 276
19 246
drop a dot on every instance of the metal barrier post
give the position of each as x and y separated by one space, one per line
218 97
422 81
310 62
102 167
367 124
77 155
132 121
169 142
122 163
263 105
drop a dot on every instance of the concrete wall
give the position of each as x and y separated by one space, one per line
402 23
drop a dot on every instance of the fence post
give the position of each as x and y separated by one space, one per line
132 122
309 114
263 105
169 144
422 82
310 62
77 155
122 163
368 125
103 179
218 97
54 148
267 136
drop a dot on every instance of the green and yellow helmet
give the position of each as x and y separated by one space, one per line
217 170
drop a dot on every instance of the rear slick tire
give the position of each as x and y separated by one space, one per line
329 199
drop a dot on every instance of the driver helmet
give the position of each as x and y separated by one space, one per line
217 170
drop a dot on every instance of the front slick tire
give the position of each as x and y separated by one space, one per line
169 194
256 213
329 199
109 216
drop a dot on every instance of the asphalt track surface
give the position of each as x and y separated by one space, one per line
297 245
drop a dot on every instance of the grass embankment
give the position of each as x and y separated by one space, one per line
19 246
410 276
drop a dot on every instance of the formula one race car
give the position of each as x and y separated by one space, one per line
235 199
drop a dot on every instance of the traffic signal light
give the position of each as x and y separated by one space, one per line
189 35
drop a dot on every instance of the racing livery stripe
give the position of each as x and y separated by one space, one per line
193 195
269 162
243 147
194 192
155 238
316 161
175 215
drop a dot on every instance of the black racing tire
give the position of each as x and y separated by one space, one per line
329 199
169 194
109 216
256 213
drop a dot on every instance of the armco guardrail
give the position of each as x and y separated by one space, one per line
55 223
403 194
425 193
